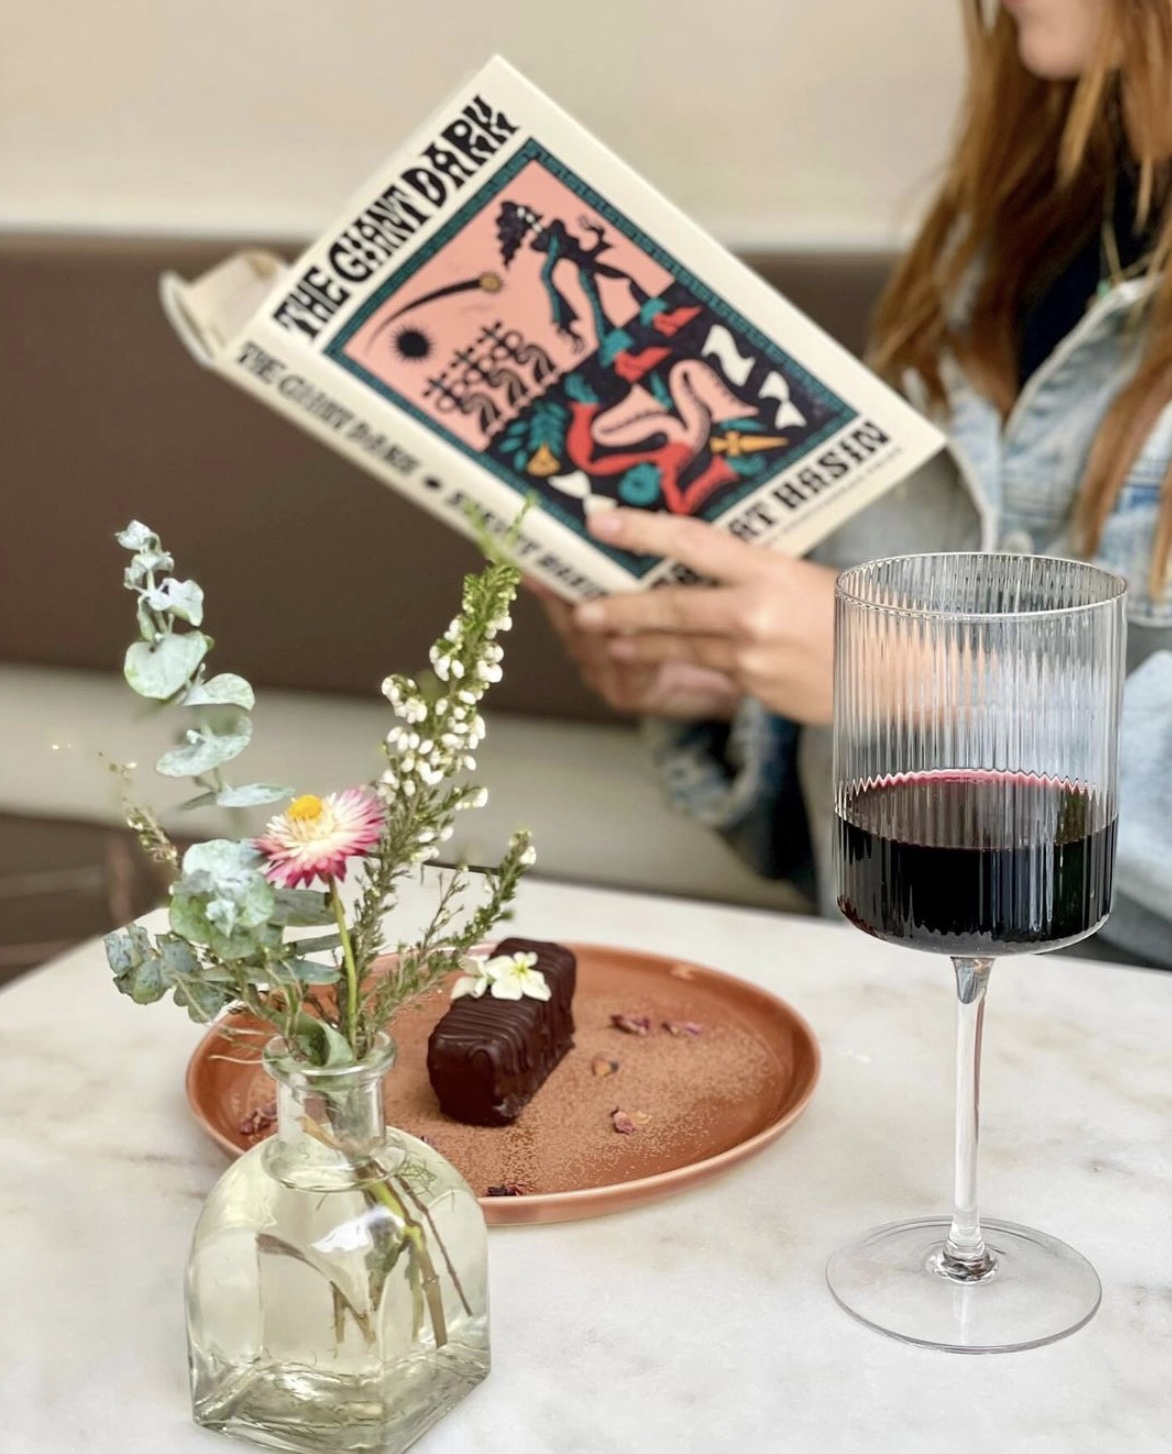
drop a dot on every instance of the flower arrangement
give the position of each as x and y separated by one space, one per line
234 902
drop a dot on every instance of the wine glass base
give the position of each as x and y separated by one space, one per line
1039 1291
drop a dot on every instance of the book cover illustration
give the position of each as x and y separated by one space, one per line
555 344
508 313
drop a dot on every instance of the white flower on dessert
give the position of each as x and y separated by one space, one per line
516 976
505 977
474 981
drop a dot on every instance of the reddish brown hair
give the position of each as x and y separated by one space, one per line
1031 171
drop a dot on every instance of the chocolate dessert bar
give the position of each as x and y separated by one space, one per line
487 1057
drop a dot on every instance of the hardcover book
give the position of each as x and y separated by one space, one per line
507 313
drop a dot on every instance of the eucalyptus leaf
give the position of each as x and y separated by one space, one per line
178 954
322 1044
298 908
219 974
137 574
221 857
147 626
125 948
308 971
227 689
139 970
252 794
177 598
317 943
223 900
206 748
161 669
201 800
202 1000
189 918
223 915
137 536
248 796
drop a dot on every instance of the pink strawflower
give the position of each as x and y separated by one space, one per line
317 837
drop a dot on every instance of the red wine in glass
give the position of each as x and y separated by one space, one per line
975 863
976 722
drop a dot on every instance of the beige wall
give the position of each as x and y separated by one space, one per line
776 123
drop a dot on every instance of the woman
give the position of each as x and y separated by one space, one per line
1032 318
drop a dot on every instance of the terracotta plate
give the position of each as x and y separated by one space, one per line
701 1102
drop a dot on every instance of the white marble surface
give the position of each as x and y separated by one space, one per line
698 1324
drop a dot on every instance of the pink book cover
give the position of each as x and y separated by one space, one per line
507 313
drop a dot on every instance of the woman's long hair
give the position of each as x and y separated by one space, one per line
1031 175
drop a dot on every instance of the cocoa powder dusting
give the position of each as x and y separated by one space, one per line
701 1094
690 1095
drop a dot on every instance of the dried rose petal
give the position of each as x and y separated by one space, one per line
506 1189
257 1122
632 1024
601 1066
626 1123
683 1027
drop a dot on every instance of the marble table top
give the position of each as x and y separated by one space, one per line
701 1323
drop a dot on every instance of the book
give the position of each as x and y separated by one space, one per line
507 313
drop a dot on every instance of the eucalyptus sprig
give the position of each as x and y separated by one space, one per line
233 900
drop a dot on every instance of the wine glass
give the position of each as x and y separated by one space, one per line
976 712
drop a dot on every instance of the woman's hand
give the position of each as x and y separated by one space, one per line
675 689
766 627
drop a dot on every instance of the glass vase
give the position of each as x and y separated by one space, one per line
337 1287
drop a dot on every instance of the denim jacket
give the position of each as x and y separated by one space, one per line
1000 486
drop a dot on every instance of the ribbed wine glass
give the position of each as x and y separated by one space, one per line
976 721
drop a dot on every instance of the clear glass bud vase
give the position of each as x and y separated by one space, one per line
337 1289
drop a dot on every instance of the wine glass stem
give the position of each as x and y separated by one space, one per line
965 1258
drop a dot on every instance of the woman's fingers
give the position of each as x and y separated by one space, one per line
695 610
701 547
714 652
